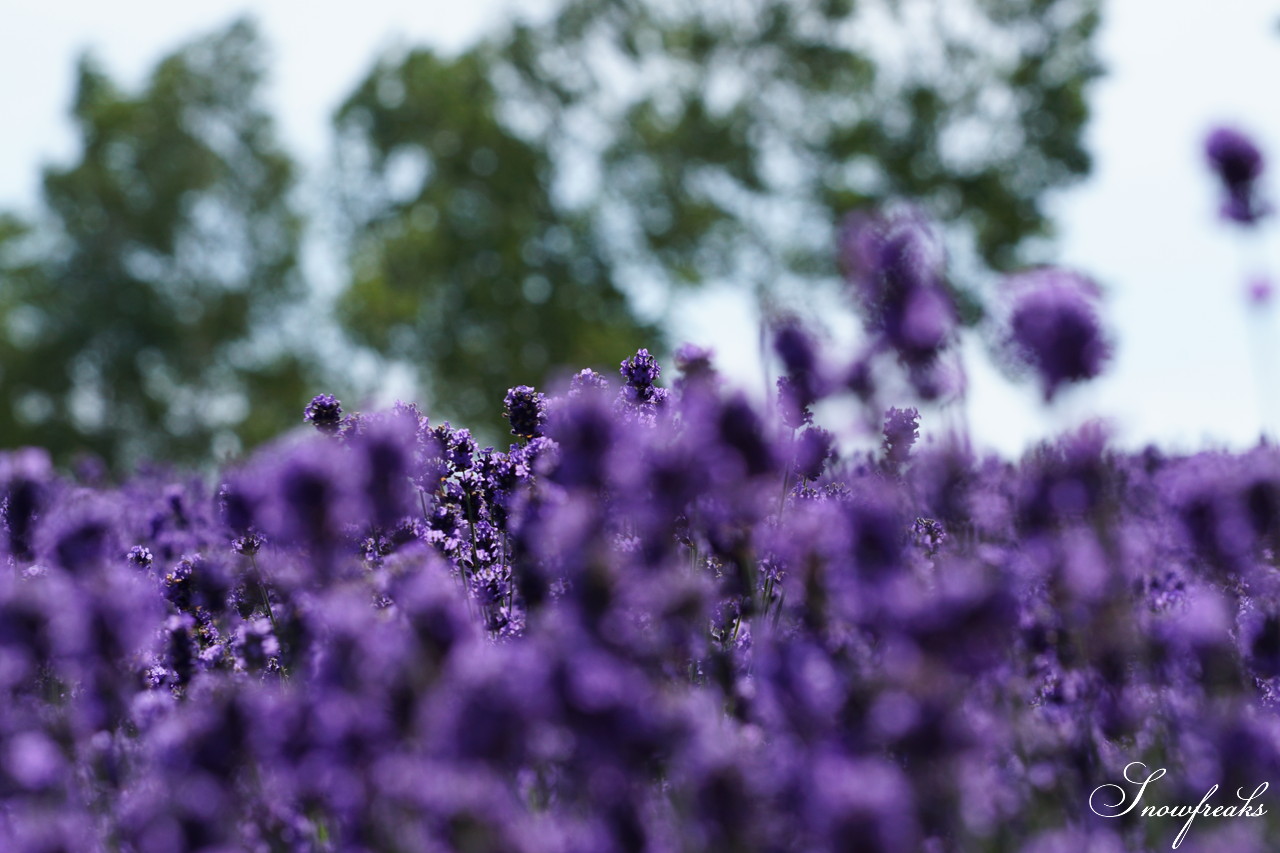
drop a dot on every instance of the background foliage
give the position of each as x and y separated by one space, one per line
500 209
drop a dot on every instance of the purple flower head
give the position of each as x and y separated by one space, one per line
923 326
526 411
249 544
587 381
1238 163
793 404
385 450
697 373
140 556
325 413
1260 641
901 429
1260 291
794 346
81 540
884 251
255 644
814 447
861 804
928 535
859 377
1233 156
641 371
799 358
639 396
302 494
895 264
693 360
456 446
740 430
1054 327
24 475
584 430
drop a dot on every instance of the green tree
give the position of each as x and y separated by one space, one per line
728 139
464 265
139 307
497 201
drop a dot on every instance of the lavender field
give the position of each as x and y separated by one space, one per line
665 618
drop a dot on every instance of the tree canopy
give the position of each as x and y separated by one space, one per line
726 140
139 305
462 262
501 208
502 201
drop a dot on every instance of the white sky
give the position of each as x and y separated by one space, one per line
1185 374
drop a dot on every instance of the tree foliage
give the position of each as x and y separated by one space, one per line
139 305
463 263
503 206
726 140
499 201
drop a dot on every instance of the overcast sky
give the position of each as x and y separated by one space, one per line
1191 358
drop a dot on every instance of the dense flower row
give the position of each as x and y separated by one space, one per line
655 623
662 620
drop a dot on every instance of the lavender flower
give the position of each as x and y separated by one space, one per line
928 535
1238 163
641 371
895 264
526 410
901 429
814 447
325 413
587 381
793 404
639 396
1054 328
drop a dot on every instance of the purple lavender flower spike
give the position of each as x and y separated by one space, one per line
1238 162
641 370
640 396
901 429
587 381
1054 327
325 413
895 264
526 411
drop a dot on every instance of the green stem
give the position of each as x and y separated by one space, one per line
262 590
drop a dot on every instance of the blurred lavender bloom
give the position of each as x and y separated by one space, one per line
901 430
693 360
1238 163
1054 327
895 263
793 404
928 535
813 448
863 804
384 451
587 381
140 556
24 475
800 360
1260 291
696 368
80 539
